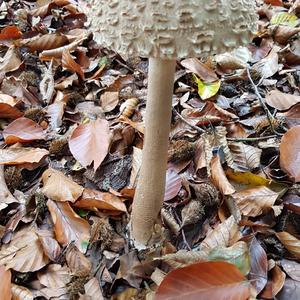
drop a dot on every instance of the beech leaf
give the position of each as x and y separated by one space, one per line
90 142
5 283
68 226
291 243
23 130
59 187
281 101
204 281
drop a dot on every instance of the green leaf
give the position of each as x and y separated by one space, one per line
238 255
284 18
207 90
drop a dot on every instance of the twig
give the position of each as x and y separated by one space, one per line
263 104
198 129
254 139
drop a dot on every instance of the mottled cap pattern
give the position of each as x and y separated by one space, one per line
172 28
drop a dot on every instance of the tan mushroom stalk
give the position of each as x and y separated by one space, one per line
163 31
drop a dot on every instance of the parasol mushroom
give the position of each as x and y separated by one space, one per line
163 31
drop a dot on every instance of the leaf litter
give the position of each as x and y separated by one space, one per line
71 134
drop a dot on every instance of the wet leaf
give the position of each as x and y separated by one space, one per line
59 187
205 280
68 226
290 153
90 142
23 130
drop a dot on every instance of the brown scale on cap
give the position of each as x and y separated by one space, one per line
172 29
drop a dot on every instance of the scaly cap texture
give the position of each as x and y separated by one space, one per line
172 28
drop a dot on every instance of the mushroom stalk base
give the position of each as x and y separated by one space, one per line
150 189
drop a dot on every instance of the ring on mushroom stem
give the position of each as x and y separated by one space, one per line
164 31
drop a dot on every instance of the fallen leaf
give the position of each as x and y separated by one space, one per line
268 66
207 90
225 234
24 253
11 61
21 293
93 290
173 184
253 202
68 226
10 32
70 64
204 281
101 200
291 243
23 130
18 155
290 290
8 111
292 268
59 187
109 101
90 142
56 111
284 18
55 276
290 153
219 178
281 101
5 283
258 275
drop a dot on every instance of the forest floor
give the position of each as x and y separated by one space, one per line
71 134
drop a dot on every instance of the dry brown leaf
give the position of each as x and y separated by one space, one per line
21 293
283 33
101 200
70 64
292 268
228 62
173 184
281 101
225 234
50 245
109 101
10 32
55 276
44 42
11 61
93 290
291 243
5 283
219 178
59 187
5 195
268 66
8 111
245 157
197 67
139 126
290 153
90 142
253 202
55 111
68 226
23 130
79 265
136 165
24 253
18 156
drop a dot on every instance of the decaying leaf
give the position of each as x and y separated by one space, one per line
59 187
225 234
290 153
24 253
253 202
68 226
204 280
90 142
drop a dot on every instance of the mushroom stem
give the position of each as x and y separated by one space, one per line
150 189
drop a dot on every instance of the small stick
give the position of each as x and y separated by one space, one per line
254 139
198 129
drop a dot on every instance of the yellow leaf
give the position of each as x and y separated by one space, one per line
247 178
284 18
207 90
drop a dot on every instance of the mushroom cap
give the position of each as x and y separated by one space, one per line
171 29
